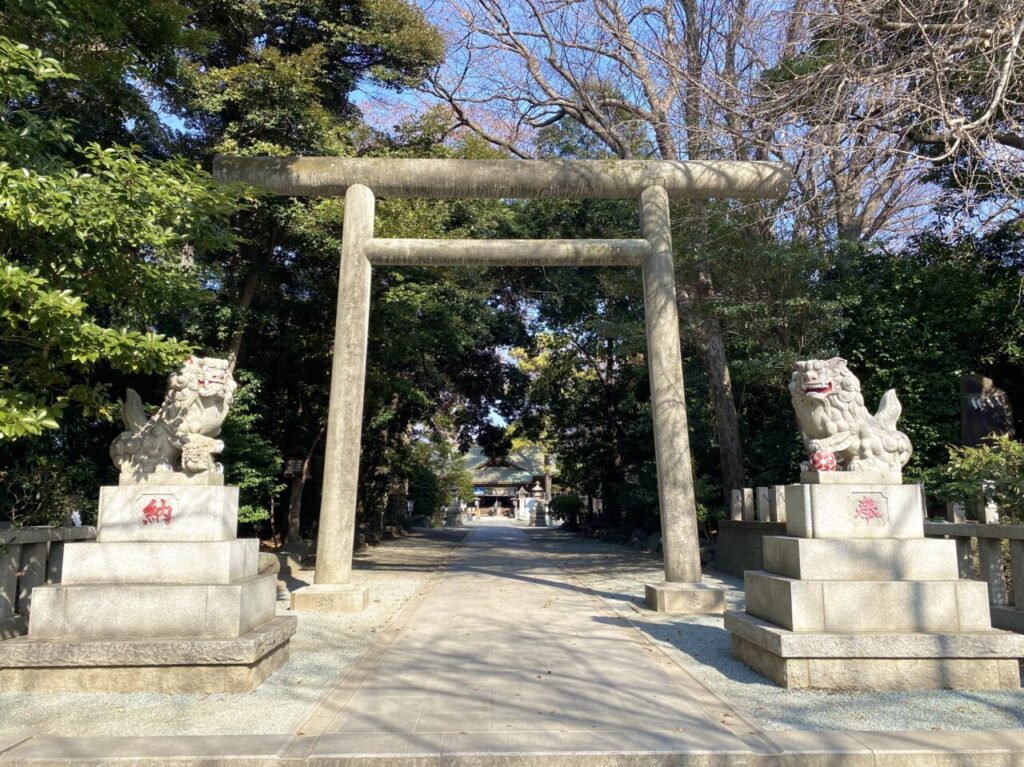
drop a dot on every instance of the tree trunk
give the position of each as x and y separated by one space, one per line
244 302
727 425
259 260
298 484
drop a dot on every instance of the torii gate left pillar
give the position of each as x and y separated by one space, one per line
652 182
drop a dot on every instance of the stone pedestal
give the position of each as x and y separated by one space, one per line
166 599
330 598
538 517
453 516
856 598
685 598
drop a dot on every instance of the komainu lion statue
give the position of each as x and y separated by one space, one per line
181 436
832 418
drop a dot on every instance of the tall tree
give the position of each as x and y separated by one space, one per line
634 76
706 79
91 244
118 50
940 79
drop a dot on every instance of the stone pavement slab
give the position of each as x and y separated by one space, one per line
818 749
236 750
507 643
556 749
10 741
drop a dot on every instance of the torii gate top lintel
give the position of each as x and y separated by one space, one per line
652 182
557 179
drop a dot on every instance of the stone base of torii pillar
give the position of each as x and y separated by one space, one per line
685 598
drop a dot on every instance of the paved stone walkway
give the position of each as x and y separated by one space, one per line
508 653
508 661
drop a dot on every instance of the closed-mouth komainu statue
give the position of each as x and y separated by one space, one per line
181 436
833 420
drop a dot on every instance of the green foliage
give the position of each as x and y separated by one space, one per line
431 469
425 490
114 48
920 319
769 299
91 246
276 78
709 505
819 55
38 488
990 472
566 506
53 341
252 462
277 75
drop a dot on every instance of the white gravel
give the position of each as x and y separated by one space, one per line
322 650
701 645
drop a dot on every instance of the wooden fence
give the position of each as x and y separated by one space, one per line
30 557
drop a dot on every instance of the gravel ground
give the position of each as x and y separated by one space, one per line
701 645
322 650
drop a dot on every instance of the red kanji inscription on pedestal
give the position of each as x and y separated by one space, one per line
867 510
155 511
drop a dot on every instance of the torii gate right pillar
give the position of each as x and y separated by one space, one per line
682 591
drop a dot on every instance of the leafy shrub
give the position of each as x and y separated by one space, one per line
566 506
994 471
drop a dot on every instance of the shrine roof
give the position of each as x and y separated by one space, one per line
519 467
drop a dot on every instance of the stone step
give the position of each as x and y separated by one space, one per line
152 610
148 562
855 511
985 660
167 513
793 644
861 559
26 652
868 606
181 665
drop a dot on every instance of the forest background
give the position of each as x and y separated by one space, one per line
898 247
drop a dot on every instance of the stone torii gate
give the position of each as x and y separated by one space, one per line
652 182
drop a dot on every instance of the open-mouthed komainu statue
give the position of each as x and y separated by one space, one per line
832 418
181 436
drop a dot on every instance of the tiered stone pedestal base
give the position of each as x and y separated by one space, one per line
983 660
166 599
453 516
856 598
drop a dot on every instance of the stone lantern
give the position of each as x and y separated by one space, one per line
453 516
539 516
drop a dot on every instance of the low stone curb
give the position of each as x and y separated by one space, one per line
527 749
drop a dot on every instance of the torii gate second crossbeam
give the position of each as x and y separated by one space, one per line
652 181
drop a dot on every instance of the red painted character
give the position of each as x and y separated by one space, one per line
154 512
867 510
